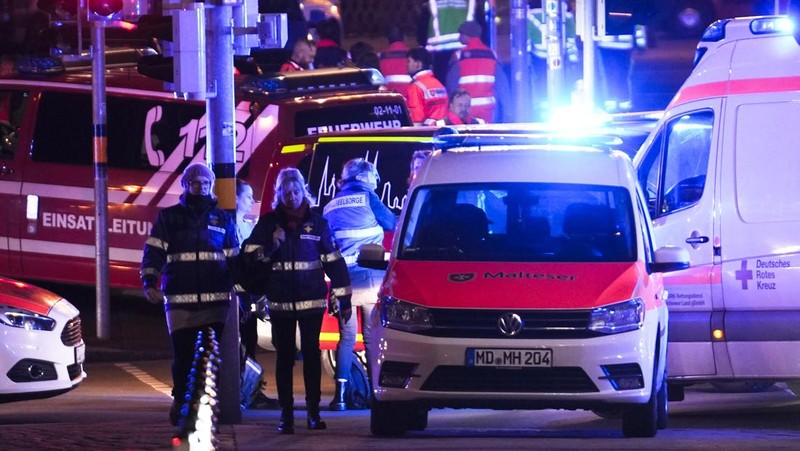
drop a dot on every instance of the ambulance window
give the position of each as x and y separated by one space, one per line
12 109
688 144
650 172
141 133
391 159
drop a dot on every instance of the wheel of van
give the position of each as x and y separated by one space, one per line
388 419
662 401
689 18
743 386
418 420
642 420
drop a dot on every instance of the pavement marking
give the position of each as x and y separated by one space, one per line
147 379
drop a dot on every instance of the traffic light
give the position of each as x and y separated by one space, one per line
619 17
104 10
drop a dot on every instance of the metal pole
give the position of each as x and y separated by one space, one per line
589 67
220 109
520 69
100 143
554 25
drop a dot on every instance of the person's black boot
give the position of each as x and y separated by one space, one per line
286 423
314 422
339 402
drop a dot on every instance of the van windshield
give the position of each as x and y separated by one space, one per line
519 222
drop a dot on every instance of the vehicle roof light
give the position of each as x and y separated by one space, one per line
313 81
449 138
771 25
715 32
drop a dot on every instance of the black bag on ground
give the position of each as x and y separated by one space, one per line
357 395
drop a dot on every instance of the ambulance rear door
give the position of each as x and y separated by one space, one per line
677 171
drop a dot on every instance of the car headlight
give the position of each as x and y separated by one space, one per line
25 320
616 318
402 315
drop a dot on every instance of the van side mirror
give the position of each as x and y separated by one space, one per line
372 256
670 258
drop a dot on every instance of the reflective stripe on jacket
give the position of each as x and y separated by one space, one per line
477 65
394 67
427 98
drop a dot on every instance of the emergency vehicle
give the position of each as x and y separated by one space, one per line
523 276
47 173
720 177
320 158
42 352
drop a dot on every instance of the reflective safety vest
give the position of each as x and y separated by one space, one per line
446 17
352 220
477 65
427 98
537 30
454 119
394 67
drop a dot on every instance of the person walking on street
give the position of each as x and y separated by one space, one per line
427 98
294 248
191 249
459 110
394 65
303 53
475 68
357 217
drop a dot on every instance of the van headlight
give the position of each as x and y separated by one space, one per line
619 317
402 315
25 320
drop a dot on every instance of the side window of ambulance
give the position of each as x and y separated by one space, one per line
12 109
141 133
674 177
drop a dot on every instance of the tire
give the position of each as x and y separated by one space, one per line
743 386
662 404
418 420
642 420
388 419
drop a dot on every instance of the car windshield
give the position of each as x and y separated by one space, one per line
528 222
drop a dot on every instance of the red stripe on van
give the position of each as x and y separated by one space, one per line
509 285
733 87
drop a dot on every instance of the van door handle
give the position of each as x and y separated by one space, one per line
697 240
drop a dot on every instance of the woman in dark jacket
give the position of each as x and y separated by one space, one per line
294 245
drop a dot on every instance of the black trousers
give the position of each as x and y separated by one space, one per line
183 345
284 325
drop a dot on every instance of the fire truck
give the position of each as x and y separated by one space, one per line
47 230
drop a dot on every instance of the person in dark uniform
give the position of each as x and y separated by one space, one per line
191 249
294 248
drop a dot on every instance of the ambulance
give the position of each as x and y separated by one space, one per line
720 178
47 226
523 275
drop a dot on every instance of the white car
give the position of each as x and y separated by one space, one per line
41 350
522 277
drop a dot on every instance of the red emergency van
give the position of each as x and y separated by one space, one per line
47 228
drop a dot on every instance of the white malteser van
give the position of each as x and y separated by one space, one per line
522 277
721 175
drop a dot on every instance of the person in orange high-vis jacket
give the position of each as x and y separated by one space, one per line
393 61
427 97
475 69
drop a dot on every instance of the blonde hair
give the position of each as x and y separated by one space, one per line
286 177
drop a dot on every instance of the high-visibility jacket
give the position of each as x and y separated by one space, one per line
477 65
291 66
394 67
192 252
537 30
298 266
357 216
454 119
446 17
427 98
